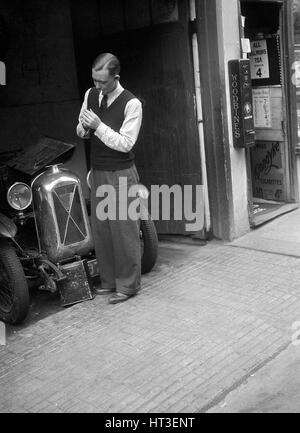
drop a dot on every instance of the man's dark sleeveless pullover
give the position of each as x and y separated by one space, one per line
103 157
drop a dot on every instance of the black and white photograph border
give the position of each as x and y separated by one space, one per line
149 209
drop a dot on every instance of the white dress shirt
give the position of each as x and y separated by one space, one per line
125 139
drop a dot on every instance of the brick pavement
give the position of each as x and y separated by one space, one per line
202 324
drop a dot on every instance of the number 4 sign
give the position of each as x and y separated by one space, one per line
259 62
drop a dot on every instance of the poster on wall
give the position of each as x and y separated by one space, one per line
265 60
262 108
267 167
259 60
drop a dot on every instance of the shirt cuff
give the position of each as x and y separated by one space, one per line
101 130
81 132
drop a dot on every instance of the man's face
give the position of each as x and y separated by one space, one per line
104 81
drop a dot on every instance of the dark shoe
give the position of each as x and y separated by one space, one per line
118 297
104 291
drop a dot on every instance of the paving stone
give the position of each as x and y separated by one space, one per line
196 328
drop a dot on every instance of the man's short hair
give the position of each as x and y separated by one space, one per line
107 61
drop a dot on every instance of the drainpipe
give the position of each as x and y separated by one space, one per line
197 79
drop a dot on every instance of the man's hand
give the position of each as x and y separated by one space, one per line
85 127
89 119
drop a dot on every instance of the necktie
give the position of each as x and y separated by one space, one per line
104 102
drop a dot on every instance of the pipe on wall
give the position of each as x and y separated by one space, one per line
197 79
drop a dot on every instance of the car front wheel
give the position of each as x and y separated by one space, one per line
14 293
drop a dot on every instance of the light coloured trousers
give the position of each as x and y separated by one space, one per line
117 242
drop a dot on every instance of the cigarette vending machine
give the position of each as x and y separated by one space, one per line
241 103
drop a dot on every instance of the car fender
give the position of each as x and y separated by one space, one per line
8 228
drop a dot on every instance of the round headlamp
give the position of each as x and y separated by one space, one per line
88 179
19 196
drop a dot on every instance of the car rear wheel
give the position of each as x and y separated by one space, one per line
149 244
14 294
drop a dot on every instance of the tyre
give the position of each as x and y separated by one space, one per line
14 294
149 245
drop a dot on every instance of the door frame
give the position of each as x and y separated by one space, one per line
289 101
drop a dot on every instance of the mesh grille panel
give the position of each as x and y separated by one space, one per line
69 214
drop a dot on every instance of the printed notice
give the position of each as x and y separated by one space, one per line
261 108
259 62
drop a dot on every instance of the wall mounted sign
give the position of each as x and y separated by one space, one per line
259 60
265 60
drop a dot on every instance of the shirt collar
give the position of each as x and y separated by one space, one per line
115 93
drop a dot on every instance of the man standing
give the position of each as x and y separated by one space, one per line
111 117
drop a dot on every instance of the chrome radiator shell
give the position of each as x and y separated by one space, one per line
61 217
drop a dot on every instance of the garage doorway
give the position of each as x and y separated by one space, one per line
152 40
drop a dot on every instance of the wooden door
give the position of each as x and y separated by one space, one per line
156 65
